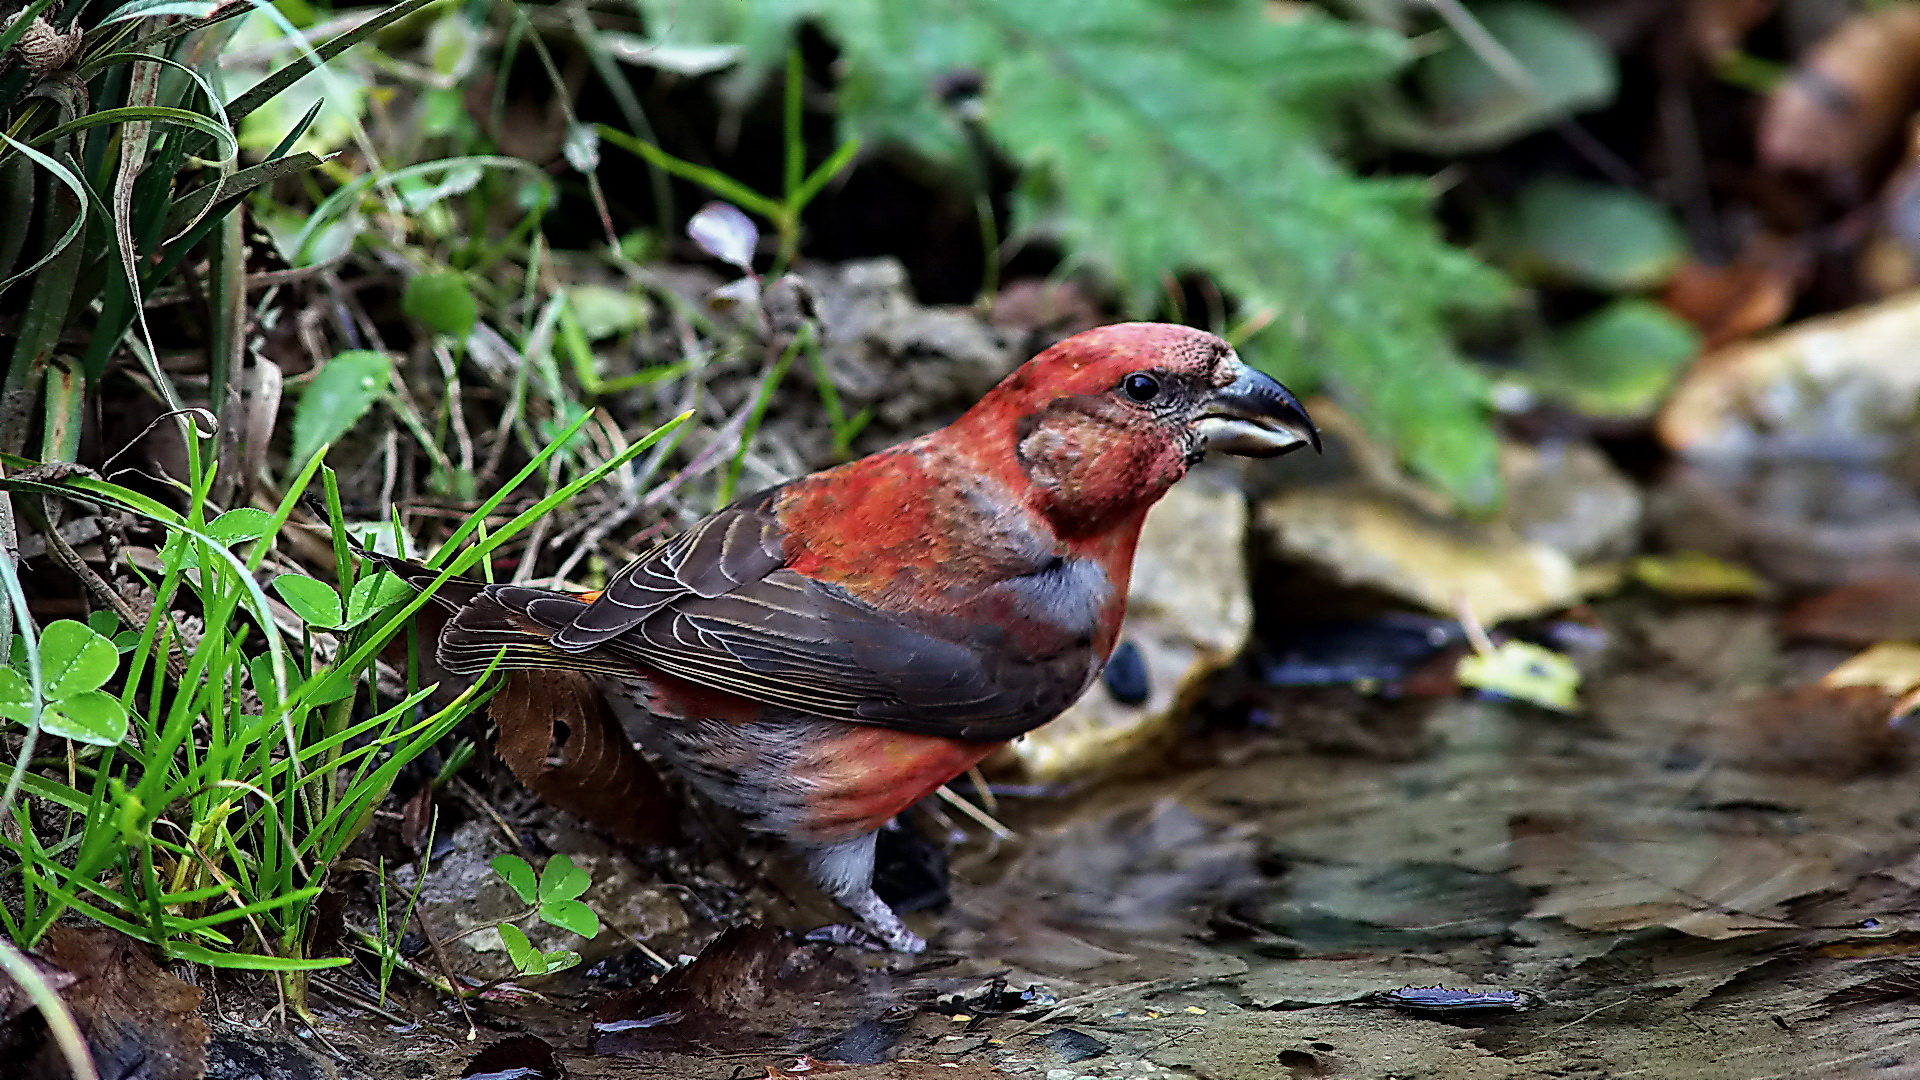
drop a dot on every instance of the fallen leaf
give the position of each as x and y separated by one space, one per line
1523 671
1838 732
1891 666
751 986
1704 875
520 1057
1841 109
1861 613
563 742
1696 574
139 1022
1739 298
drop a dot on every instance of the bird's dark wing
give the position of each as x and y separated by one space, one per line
717 606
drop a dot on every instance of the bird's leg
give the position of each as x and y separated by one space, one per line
844 871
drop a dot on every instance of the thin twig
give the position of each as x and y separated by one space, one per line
965 806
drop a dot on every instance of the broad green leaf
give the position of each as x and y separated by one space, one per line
74 659
1467 104
442 302
603 312
339 395
1606 237
103 622
93 716
316 602
525 957
1158 138
16 695
1617 362
560 960
571 915
562 880
373 592
518 875
240 525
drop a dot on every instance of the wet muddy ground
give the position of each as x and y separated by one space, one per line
1664 885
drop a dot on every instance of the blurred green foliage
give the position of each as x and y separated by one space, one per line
1158 138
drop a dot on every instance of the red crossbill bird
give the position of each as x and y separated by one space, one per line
822 655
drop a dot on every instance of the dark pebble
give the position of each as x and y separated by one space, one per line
1126 675
1072 1045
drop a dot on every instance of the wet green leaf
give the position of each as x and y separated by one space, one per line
339 395
240 525
521 951
93 716
562 880
443 302
371 593
518 875
74 659
571 915
314 601
16 696
1606 237
1619 361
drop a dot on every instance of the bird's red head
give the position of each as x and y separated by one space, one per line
1097 427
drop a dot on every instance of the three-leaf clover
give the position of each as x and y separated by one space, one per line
75 661
236 526
318 604
553 896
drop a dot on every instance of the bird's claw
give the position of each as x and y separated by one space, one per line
902 940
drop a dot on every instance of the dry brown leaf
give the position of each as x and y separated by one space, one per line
137 1019
1862 613
1688 871
751 986
523 1057
563 742
1842 108
1837 732
1744 296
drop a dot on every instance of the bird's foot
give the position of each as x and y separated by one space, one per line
895 939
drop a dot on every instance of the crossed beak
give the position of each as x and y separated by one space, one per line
1254 416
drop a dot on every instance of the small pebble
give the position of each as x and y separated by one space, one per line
1072 1045
1126 675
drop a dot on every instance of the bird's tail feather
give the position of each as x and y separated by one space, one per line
511 621
516 623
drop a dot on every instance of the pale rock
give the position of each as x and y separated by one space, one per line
1189 613
1568 512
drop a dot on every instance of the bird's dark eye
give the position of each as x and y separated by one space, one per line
1141 386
